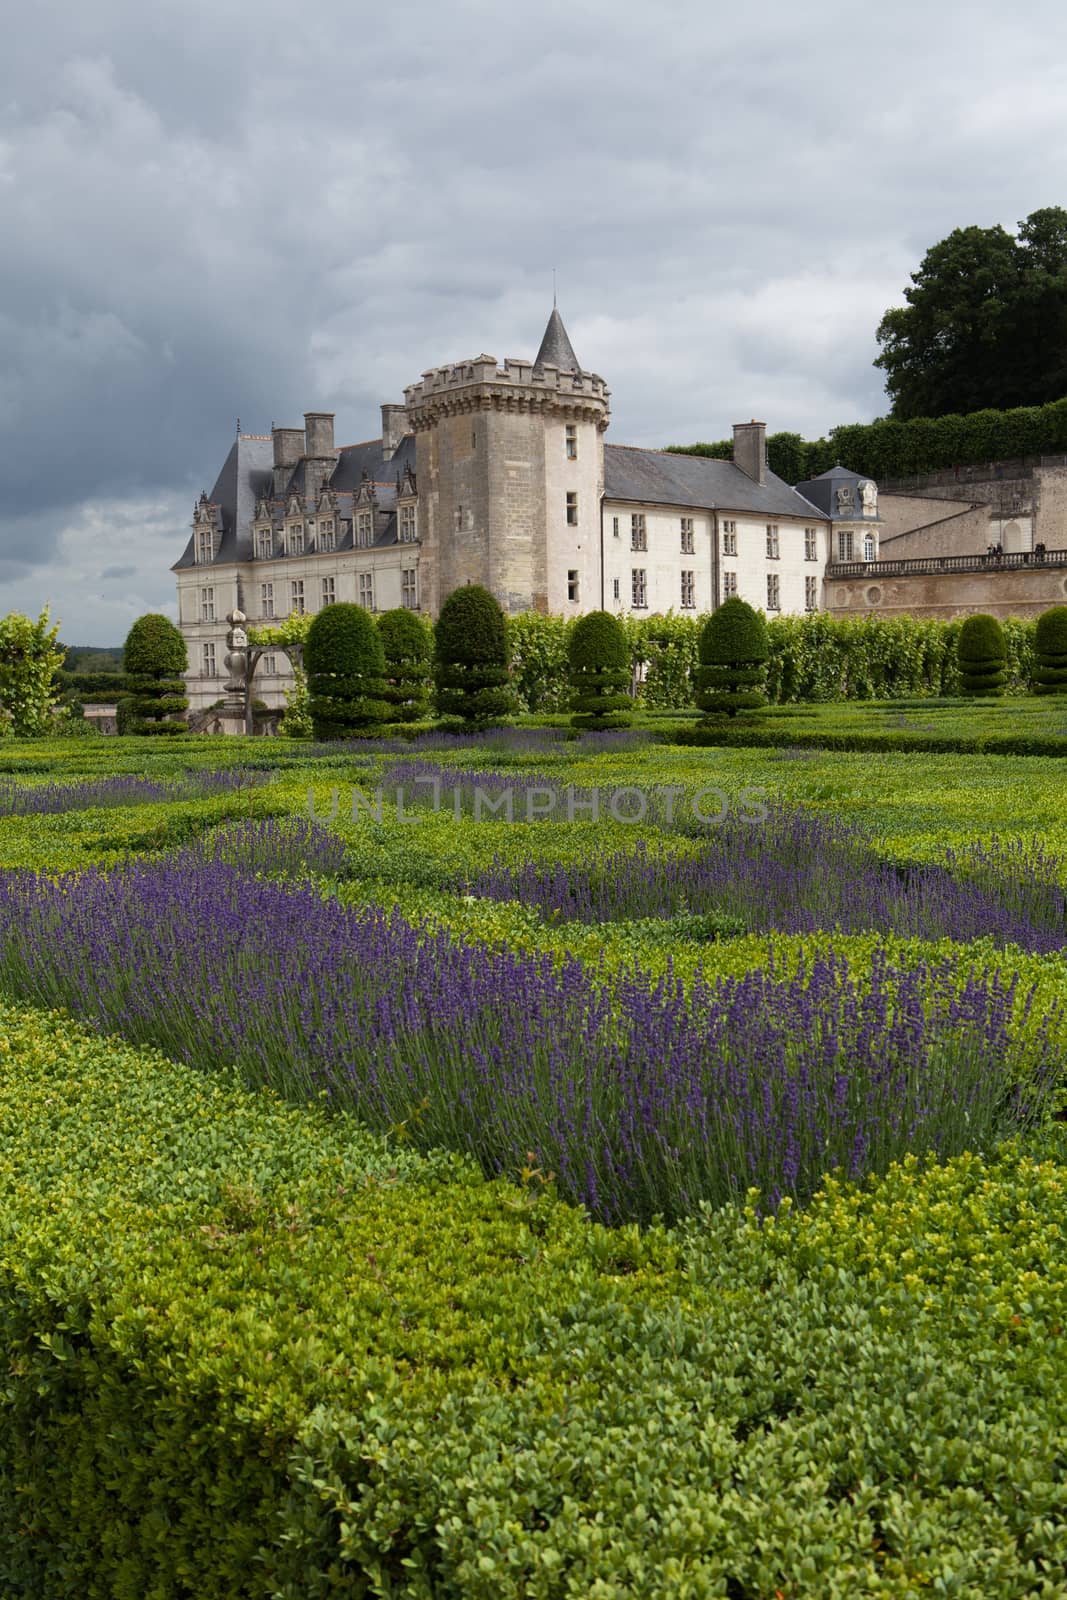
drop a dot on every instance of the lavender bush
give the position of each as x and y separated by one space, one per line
800 872
24 800
644 1099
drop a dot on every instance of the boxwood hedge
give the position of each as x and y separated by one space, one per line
249 1352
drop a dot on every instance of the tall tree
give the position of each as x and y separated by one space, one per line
985 324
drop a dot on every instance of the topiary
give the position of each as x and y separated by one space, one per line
732 652
154 658
345 666
471 657
408 644
599 659
1050 671
982 653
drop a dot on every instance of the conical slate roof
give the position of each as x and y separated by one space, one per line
556 349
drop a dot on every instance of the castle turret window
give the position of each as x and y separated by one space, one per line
570 445
264 543
407 524
572 509
327 534
266 600
207 605
409 589
207 659
295 539
205 545
572 584
364 528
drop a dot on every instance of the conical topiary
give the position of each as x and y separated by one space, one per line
408 644
154 658
471 657
982 653
345 665
1050 643
599 660
732 653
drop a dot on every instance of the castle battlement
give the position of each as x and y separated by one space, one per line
513 372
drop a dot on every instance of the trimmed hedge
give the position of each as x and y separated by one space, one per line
733 652
253 1355
982 653
345 665
471 657
599 660
1050 647
408 645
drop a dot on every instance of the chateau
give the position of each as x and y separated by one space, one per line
499 474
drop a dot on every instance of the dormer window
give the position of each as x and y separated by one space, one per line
264 543
205 545
364 527
327 534
295 539
407 524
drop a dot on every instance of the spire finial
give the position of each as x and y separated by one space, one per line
553 288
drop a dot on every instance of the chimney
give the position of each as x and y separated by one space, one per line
288 448
318 427
750 449
394 427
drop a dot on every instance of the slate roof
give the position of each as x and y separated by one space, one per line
556 348
821 491
662 478
248 473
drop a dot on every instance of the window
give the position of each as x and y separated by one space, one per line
729 584
729 538
366 590
773 603
639 586
207 605
868 547
266 599
689 589
772 541
572 509
208 660
570 445
296 590
688 546
615 526
615 585
638 532
329 591
811 547
811 594
844 545
264 543
295 539
407 524
409 589
268 665
572 584
364 528
327 535
205 545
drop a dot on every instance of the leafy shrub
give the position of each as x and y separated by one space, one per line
471 657
983 656
30 659
154 659
408 644
733 653
1050 673
345 663
599 662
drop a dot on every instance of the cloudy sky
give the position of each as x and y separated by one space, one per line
213 211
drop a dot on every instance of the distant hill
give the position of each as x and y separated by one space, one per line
92 658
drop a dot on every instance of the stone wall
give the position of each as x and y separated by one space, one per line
1021 592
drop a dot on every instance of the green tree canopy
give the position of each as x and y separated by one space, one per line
30 660
733 653
598 655
472 657
345 664
985 324
982 652
408 644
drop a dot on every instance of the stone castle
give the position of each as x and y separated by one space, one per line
500 474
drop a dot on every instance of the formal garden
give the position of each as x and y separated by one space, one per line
612 1149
